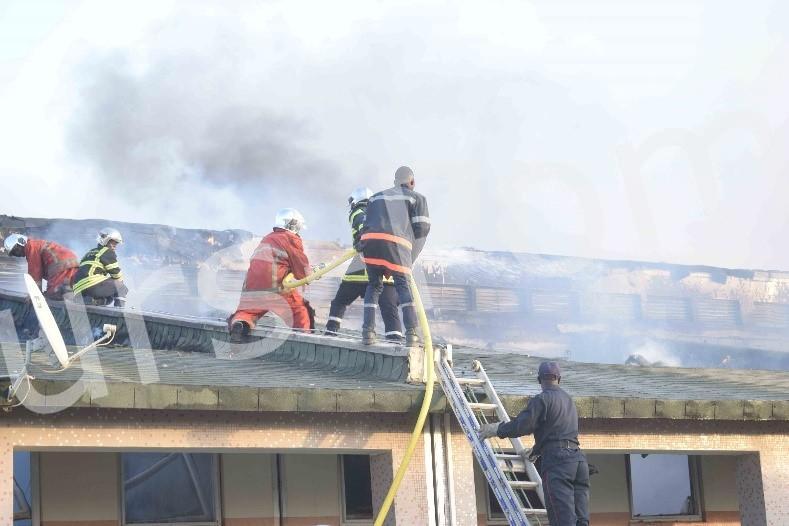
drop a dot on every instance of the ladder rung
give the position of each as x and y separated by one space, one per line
513 463
535 512
523 484
470 381
508 456
480 406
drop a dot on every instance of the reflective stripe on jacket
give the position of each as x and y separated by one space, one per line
357 270
395 229
98 265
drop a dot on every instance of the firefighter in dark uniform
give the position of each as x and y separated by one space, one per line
552 417
394 234
354 282
99 279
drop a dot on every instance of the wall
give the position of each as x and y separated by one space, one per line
79 489
312 493
109 431
248 496
79 430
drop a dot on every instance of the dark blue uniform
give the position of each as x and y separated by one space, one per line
552 417
395 231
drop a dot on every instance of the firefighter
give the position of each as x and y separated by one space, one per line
46 260
99 280
394 234
280 253
552 417
354 282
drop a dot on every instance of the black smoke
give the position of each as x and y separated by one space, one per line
194 130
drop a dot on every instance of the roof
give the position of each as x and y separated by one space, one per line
621 391
193 366
314 377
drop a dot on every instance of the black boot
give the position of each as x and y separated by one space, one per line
411 338
119 302
368 337
394 338
238 331
331 328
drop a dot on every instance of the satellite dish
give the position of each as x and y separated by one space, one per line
47 322
52 334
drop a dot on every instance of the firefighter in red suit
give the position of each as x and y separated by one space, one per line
46 260
279 253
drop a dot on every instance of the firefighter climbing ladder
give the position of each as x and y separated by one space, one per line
499 468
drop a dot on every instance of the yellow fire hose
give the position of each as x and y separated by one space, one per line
290 283
420 420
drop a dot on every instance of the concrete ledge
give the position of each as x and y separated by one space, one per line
55 393
198 398
238 398
757 410
355 401
278 399
585 406
391 402
155 396
700 409
636 408
232 398
729 410
318 400
514 404
673 409
608 408
781 410
117 395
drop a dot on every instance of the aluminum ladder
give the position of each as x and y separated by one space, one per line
500 468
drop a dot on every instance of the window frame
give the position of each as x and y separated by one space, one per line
490 519
341 473
217 492
35 489
694 474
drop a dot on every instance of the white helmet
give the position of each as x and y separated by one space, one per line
108 234
13 240
361 193
290 219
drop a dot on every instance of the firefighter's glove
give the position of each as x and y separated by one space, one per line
488 430
528 456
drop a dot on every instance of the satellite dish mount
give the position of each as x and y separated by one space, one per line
51 339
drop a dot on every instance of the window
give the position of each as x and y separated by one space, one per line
23 488
170 488
357 496
663 486
496 515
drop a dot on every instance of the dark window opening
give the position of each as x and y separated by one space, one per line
22 489
169 488
531 498
663 485
357 487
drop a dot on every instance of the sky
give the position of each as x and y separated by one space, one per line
616 129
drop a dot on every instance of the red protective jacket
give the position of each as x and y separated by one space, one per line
278 254
52 262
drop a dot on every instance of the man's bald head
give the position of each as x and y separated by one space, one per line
404 176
